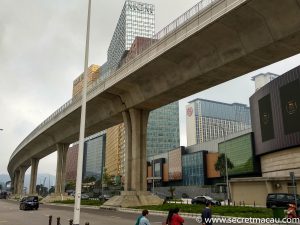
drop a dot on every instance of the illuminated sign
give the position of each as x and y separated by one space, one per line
135 6
189 111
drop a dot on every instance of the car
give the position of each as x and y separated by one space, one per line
104 197
3 195
29 202
281 200
203 199
84 197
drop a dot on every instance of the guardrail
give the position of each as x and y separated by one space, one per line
102 83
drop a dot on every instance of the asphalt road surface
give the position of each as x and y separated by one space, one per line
11 215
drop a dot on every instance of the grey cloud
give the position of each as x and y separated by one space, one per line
42 51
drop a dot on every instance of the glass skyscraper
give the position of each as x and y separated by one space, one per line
93 158
208 120
163 129
137 19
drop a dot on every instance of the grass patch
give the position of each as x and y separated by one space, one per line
83 202
235 211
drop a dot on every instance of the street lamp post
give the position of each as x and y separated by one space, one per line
76 219
226 169
226 164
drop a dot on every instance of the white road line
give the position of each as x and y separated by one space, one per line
3 221
117 217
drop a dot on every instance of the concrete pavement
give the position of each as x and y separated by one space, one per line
11 215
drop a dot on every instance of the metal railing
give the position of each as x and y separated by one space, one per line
111 79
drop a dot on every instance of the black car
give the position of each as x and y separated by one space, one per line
3 195
203 199
281 200
104 197
29 202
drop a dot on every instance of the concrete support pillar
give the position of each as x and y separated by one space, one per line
128 153
135 121
16 181
33 176
20 187
135 190
62 150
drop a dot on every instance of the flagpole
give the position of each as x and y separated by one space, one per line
76 219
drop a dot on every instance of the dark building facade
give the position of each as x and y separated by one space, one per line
275 113
275 117
71 163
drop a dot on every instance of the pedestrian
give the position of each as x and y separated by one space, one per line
291 211
206 214
170 214
142 219
174 218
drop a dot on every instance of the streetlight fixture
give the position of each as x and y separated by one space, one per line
226 164
76 218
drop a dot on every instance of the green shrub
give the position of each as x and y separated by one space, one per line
83 202
234 211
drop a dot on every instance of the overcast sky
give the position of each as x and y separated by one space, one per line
42 51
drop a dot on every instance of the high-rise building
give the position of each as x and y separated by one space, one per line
137 19
162 136
115 150
207 120
163 129
93 74
94 146
71 163
263 78
93 157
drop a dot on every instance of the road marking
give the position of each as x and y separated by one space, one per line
3 221
117 217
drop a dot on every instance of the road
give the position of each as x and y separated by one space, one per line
11 215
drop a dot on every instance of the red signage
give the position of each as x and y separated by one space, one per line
189 111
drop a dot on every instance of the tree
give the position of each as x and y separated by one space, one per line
1 187
41 190
106 178
52 189
70 185
172 190
221 165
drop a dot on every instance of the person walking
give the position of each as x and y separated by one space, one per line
206 214
142 219
174 218
169 218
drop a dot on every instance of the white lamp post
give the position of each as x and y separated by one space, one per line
226 164
76 219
